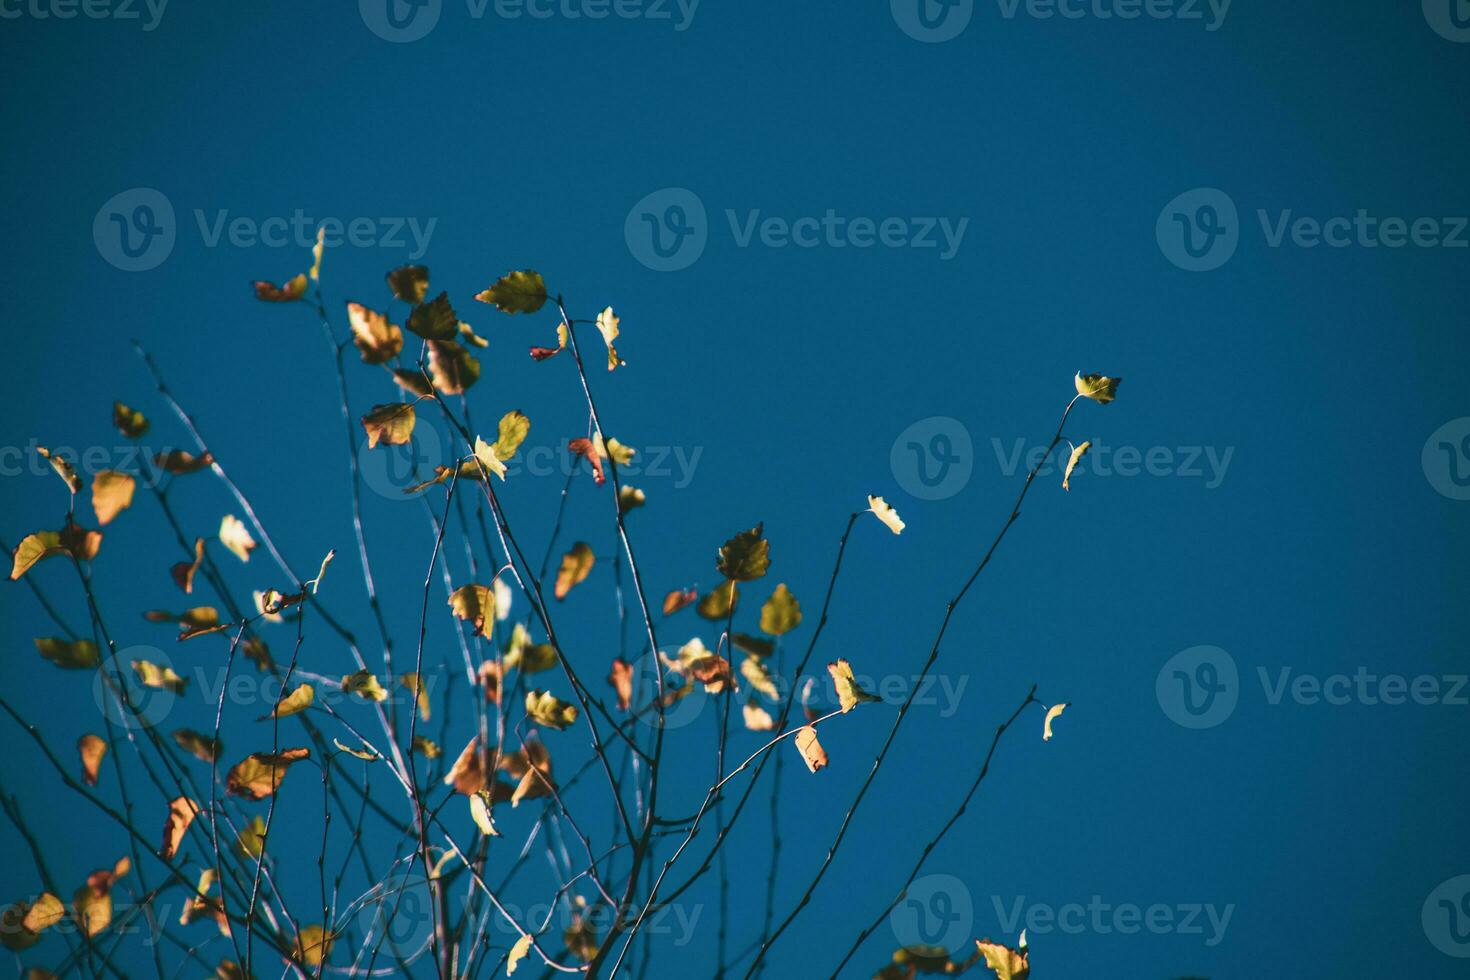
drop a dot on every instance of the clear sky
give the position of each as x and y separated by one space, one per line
834 232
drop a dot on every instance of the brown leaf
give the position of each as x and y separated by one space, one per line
181 813
576 565
621 678
91 748
679 599
588 451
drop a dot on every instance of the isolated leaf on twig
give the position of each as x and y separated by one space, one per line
234 535
475 604
544 708
886 514
162 677
516 292
607 325
1077 453
365 685
63 469
746 556
1098 387
588 451
288 292
811 750
849 695
181 461
1052 714
129 421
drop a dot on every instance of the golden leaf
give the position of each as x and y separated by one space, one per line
91 748
886 514
811 750
259 775
1077 453
475 604
1099 388
517 953
516 292
757 718
288 292
161 677
181 813
607 325
112 493
63 469
576 565
377 339
391 424
419 690
365 685
849 695
69 654
544 708
298 700
129 421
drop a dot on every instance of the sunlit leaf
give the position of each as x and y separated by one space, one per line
205 748
288 292
413 381
112 493
453 369
91 748
720 602
580 937
531 770
434 320
251 839
81 542
202 905
367 753
475 604
630 498
849 695
586 449
259 775
881 510
70 654
757 718
517 953
297 701
426 747
21 924
679 599
181 813
698 662
378 340
315 272
129 421
746 556
607 325
544 708
613 450
1098 387
576 565
410 283
1078 452
513 429
1007 963
161 677
467 776
33 548
1052 714
491 675
621 679
391 424
516 292
759 677
528 657
234 535
480 804
365 685
811 750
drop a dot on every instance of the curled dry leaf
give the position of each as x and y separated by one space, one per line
467 775
576 565
886 514
607 325
184 571
621 679
517 953
1052 714
1077 453
34 548
298 700
367 753
288 292
849 695
588 451
112 493
811 750
679 599
91 748
63 469
181 813
181 461
546 709
480 805
390 424
475 604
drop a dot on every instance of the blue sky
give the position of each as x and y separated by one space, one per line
872 236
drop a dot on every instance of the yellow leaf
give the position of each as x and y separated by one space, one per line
377 339
613 450
475 604
607 325
251 840
63 469
513 429
162 677
69 654
720 602
886 514
426 747
811 750
234 535
576 565
91 748
365 685
390 424
485 453
419 690
630 498
1077 453
298 700
260 774
21 924
849 695
581 937
756 674
367 753
781 612
1052 714
290 291
112 493
517 953
1099 388
546 709
516 292
1008 964
316 254
480 813
181 813
129 421
33 548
